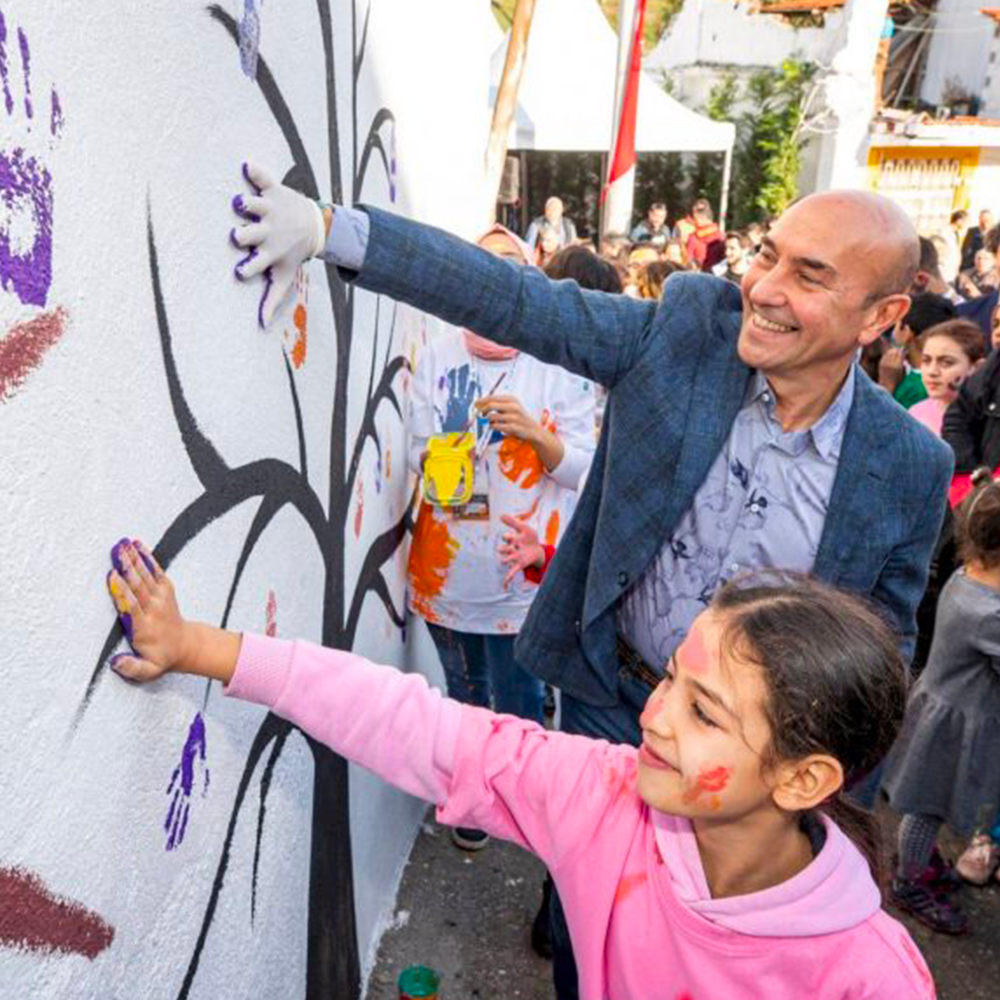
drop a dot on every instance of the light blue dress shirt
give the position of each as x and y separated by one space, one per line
763 504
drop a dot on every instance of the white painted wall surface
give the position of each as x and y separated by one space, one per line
158 115
958 51
719 32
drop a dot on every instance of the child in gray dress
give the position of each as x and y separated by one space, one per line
945 767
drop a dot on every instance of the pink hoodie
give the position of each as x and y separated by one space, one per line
643 923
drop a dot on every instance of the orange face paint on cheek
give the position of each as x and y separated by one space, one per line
714 780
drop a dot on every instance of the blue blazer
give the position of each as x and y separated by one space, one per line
675 386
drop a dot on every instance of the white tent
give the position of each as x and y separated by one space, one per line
566 98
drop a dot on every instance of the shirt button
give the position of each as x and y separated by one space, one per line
755 508
734 567
622 578
578 626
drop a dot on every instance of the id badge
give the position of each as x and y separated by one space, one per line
477 508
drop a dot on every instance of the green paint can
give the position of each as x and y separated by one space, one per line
418 983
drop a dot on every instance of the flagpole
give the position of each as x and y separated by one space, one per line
619 190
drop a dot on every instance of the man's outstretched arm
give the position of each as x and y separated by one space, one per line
593 333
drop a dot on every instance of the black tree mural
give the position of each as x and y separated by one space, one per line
333 963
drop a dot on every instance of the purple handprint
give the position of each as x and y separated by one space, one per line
25 192
182 783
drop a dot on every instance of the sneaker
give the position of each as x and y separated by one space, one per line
979 860
469 839
541 928
940 874
936 912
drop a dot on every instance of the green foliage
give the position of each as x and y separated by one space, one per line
706 177
769 145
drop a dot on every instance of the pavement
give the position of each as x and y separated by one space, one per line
468 916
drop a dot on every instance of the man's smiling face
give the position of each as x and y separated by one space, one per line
810 296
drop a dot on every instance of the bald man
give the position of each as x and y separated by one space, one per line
739 432
555 221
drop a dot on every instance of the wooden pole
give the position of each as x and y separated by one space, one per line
506 103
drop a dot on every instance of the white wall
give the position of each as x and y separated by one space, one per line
720 32
958 51
158 115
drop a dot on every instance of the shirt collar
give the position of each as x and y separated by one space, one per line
828 432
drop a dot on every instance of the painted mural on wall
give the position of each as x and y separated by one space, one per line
34 120
34 917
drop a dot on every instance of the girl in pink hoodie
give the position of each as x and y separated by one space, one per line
705 865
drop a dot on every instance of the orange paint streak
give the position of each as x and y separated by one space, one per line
359 514
552 528
628 885
300 318
520 463
388 463
431 554
708 781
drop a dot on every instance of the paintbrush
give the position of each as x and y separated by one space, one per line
481 446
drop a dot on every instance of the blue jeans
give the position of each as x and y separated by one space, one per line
481 670
618 724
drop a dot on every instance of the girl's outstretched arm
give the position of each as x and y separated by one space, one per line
548 792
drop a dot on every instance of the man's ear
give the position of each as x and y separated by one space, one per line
883 314
805 783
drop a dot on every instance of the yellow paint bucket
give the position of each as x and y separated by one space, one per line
448 470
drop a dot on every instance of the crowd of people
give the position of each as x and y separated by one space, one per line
787 513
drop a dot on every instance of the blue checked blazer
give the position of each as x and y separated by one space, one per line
675 386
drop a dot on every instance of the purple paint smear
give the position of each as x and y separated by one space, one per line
392 162
249 38
56 124
182 783
4 74
22 41
25 190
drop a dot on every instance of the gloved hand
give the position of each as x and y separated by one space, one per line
284 229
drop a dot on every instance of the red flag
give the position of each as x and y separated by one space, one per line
624 158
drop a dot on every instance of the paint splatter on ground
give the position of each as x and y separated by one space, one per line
26 194
249 37
182 782
271 615
24 346
431 554
33 918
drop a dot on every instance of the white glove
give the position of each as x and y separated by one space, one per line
285 228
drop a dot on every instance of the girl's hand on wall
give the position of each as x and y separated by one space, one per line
520 548
144 598
283 229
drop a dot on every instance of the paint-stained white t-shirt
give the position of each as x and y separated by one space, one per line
455 573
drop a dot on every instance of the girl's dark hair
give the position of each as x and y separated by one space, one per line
979 521
585 268
836 682
966 334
